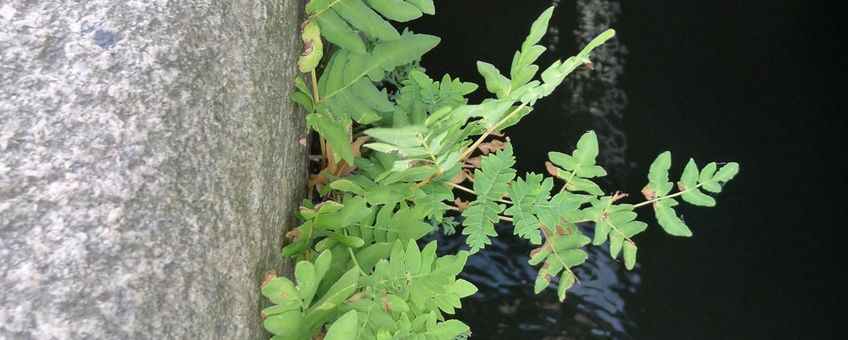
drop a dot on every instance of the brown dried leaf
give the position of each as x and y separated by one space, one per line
317 181
357 145
492 146
293 234
460 204
648 193
468 174
552 169
619 195
459 178
307 47
356 297
474 162
269 275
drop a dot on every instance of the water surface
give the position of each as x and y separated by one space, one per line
758 82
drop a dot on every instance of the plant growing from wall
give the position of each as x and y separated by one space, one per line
395 147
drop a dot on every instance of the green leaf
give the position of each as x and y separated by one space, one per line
491 182
495 82
707 172
563 160
369 255
397 10
386 194
322 264
689 178
696 197
527 195
361 100
281 291
629 255
578 184
413 257
426 6
313 48
688 185
566 281
353 211
577 168
449 329
463 288
307 281
300 244
616 240
304 100
401 136
300 84
337 31
658 183
345 185
335 132
727 172
553 76
343 327
385 56
287 324
279 309
363 18
712 181
559 253
338 292
409 223
668 219
348 241
425 281
538 29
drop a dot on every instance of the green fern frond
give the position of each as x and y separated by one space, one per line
491 182
576 169
560 252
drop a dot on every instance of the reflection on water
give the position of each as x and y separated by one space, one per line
506 306
595 308
597 92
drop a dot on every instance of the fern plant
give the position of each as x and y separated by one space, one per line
396 145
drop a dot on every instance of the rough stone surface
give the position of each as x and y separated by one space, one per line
149 162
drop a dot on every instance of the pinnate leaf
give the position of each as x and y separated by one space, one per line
491 182
668 219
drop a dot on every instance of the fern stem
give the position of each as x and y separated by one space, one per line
329 6
470 149
314 77
489 131
457 186
619 232
501 217
568 180
424 182
665 197
547 232
356 263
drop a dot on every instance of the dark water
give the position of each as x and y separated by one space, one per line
757 82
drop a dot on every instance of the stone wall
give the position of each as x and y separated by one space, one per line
149 163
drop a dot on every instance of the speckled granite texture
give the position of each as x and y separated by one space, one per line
149 162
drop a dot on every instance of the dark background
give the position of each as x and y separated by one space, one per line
757 82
